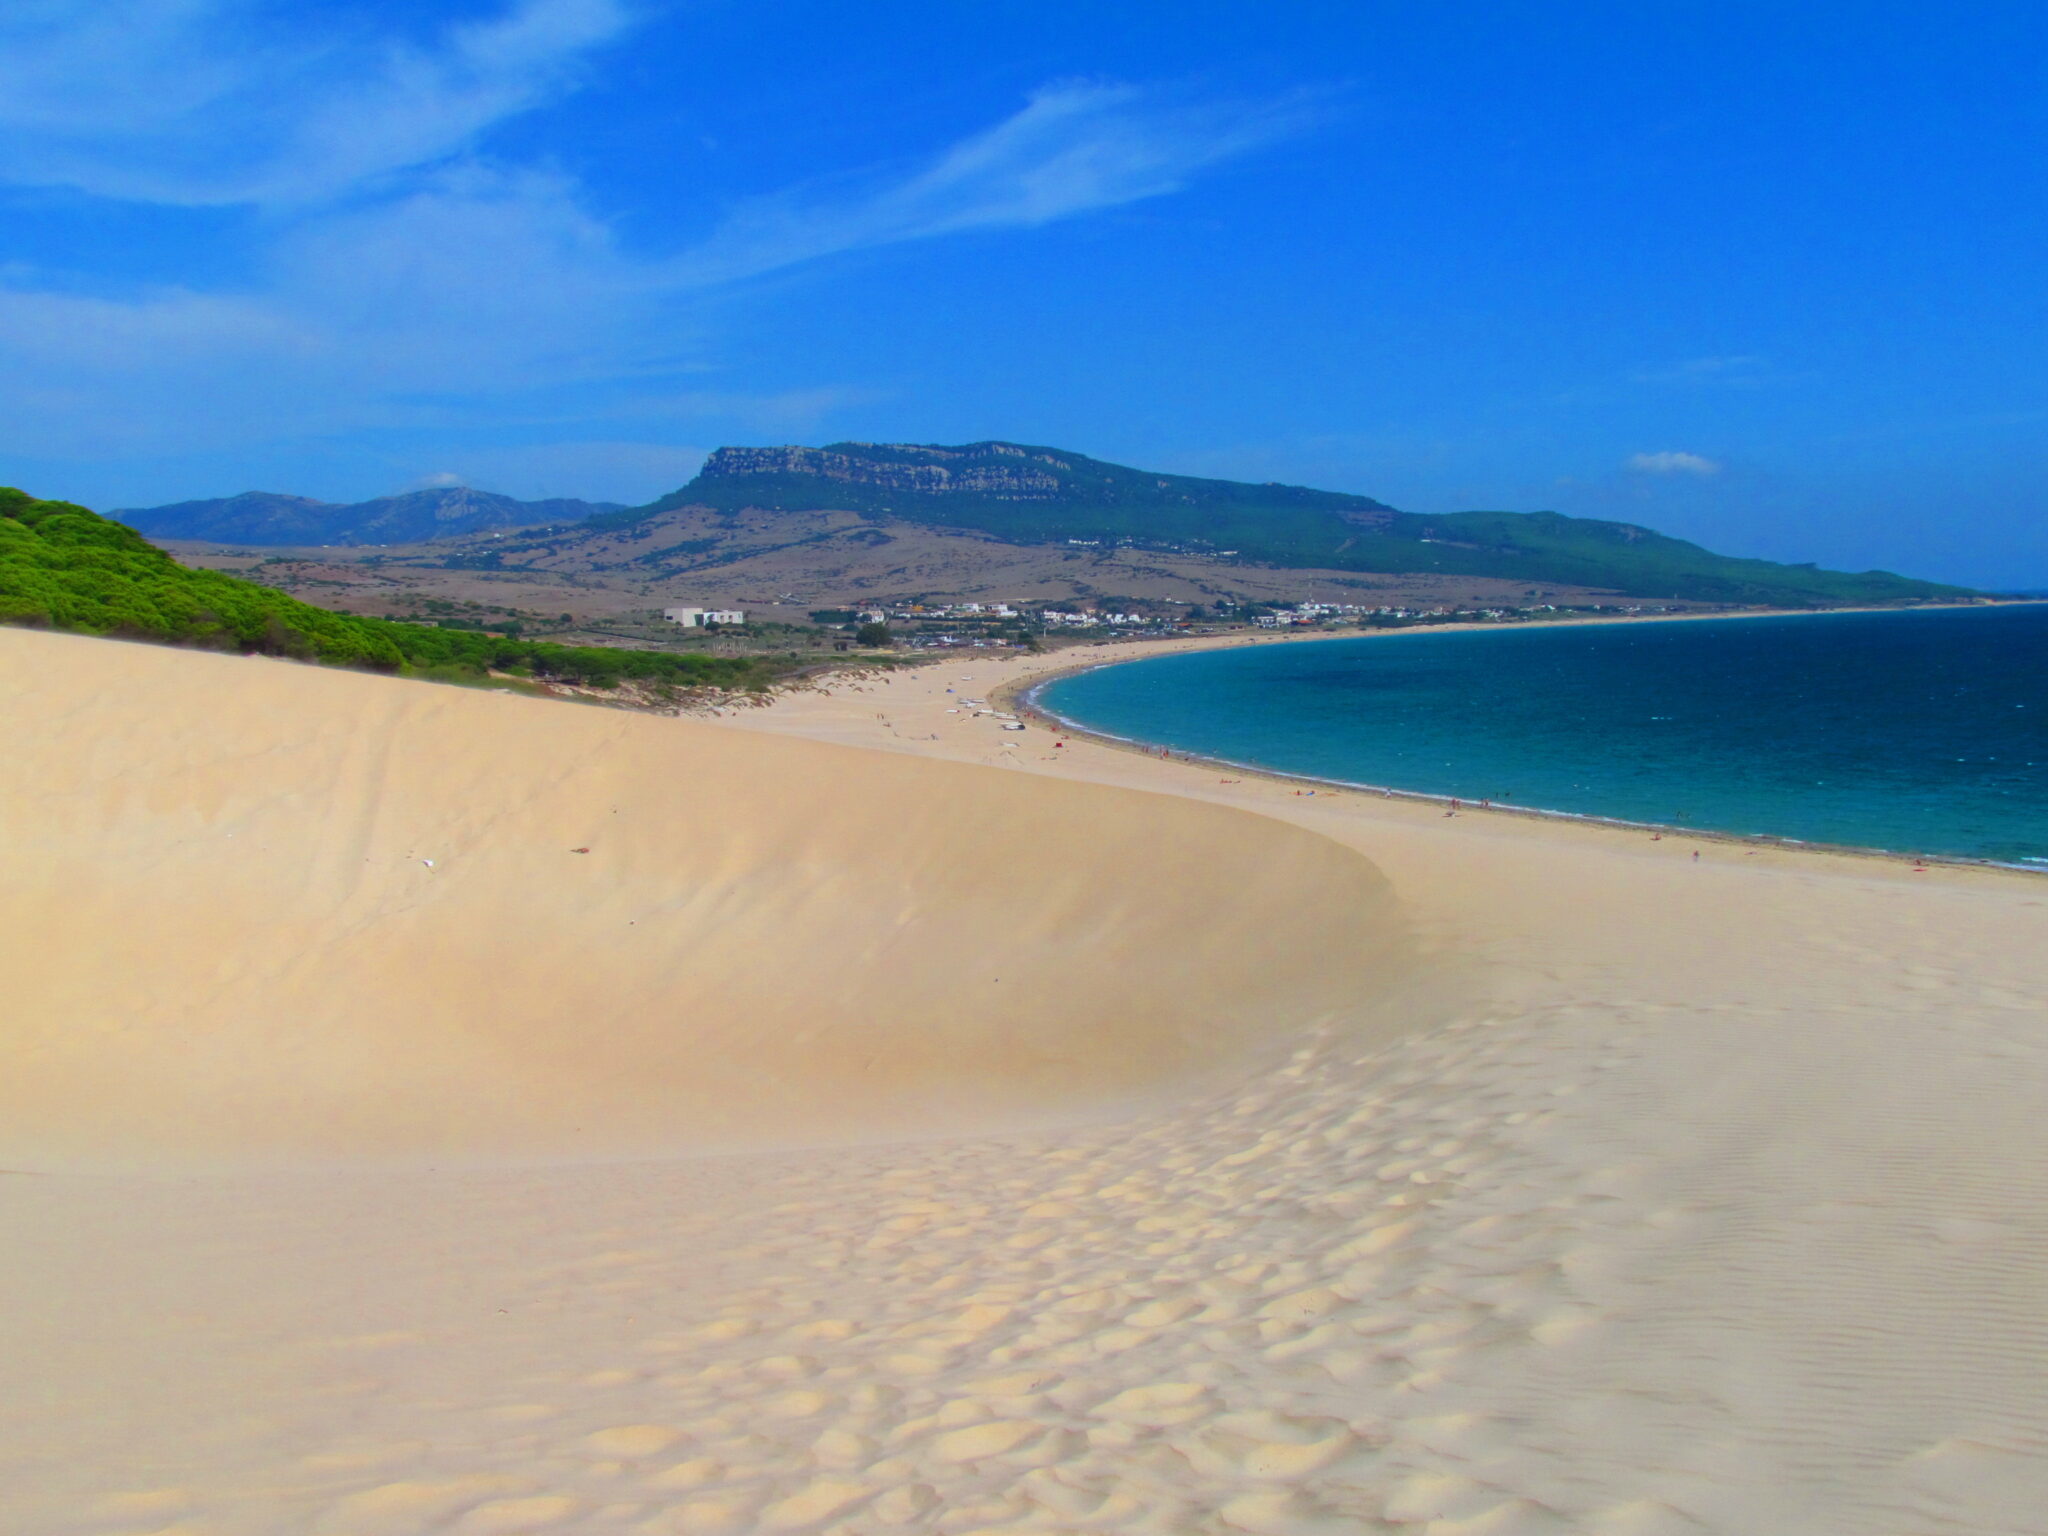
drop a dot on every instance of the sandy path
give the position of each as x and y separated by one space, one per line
1653 1197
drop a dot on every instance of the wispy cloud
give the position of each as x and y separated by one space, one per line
1074 148
397 273
207 102
425 307
1673 463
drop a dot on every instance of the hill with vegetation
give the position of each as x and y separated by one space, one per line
64 567
270 518
1033 495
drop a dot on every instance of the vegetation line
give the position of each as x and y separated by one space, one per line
65 567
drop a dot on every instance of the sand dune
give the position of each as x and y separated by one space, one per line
257 910
1553 1183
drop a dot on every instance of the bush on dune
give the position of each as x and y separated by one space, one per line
65 567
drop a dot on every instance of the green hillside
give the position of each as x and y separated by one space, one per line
1034 495
63 567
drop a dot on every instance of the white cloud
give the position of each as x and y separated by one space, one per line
201 102
480 298
1669 463
425 309
395 278
426 104
1072 149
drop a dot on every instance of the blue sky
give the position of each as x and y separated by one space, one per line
1766 276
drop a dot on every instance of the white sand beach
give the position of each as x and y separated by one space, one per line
871 1132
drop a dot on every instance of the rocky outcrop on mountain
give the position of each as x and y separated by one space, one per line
906 467
268 518
953 481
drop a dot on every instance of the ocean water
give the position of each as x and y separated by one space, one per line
1918 732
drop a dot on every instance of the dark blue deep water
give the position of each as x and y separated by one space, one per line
1918 732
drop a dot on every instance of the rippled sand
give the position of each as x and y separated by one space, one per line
1461 1175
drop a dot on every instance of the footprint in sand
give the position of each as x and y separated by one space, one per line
981 1440
797 1405
843 1450
694 1473
821 1501
1441 1498
630 1442
1158 1406
403 1509
1269 1446
504 1517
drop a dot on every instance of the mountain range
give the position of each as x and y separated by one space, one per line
269 518
1018 494
1034 495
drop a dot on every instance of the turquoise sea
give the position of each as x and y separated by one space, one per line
1918 732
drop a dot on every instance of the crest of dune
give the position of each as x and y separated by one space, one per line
259 913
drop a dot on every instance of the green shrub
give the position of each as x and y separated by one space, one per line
64 567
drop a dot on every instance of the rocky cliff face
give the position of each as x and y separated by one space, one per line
999 470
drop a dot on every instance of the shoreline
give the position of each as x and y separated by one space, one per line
1272 636
907 712
1022 696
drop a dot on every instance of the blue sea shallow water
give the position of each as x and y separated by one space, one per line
1919 732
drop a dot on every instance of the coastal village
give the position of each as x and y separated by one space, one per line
942 625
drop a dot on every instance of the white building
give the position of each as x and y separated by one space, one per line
697 618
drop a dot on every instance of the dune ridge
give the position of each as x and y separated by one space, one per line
259 910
